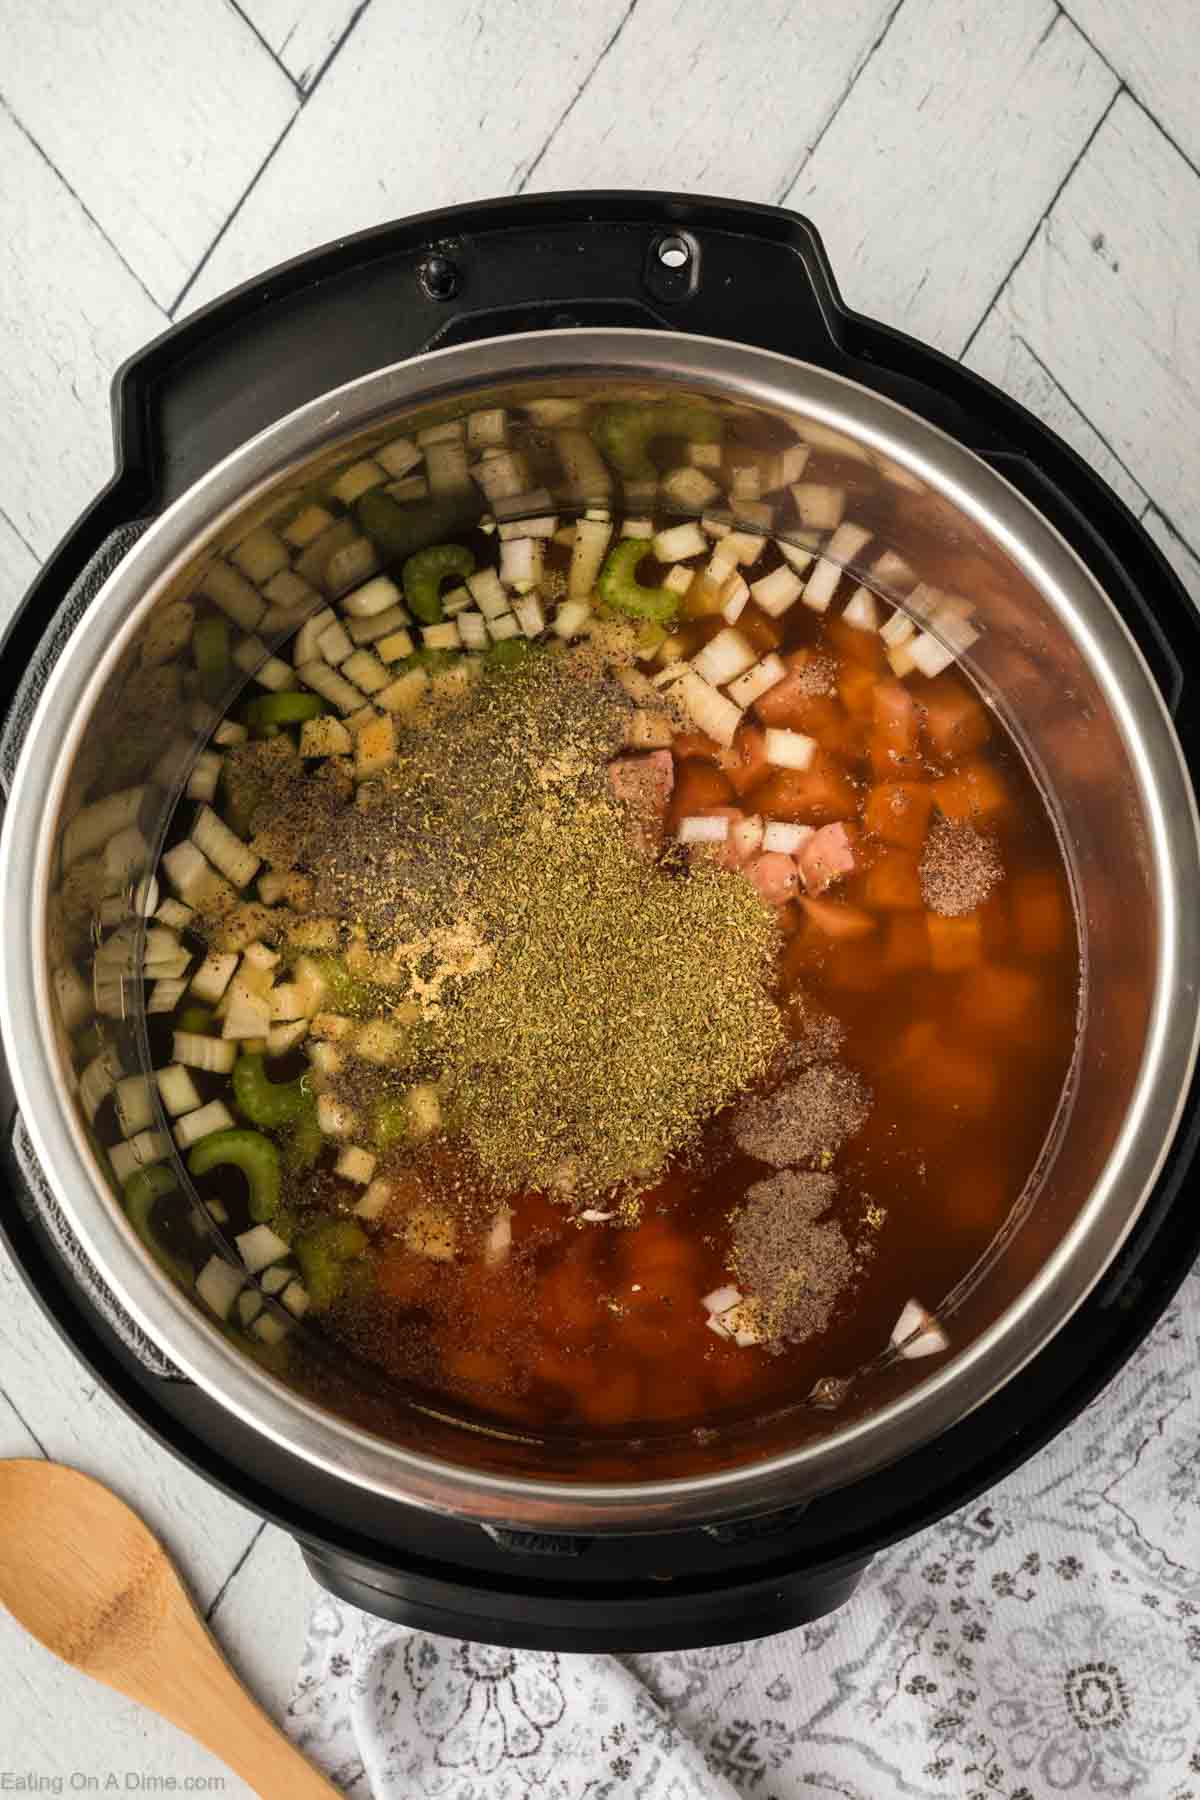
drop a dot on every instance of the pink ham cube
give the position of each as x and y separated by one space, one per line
827 855
643 785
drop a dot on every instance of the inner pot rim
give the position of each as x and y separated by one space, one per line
750 375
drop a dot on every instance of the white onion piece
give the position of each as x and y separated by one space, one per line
678 542
721 1299
776 592
780 835
698 829
219 1284
917 1333
840 553
930 656
758 680
193 1126
861 612
788 749
897 630
725 657
818 506
498 1241
734 597
260 1247
472 629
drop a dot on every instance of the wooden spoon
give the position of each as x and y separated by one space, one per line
82 1573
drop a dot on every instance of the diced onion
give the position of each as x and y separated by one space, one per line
699 829
734 597
223 848
819 507
898 629
758 681
721 1299
193 1126
260 1247
678 542
219 1284
135 1107
840 553
355 1164
138 1152
776 592
861 611
690 488
930 656
710 712
587 554
201 1052
296 1299
375 1201
335 643
780 835
307 647
213 976
724 657
788 749
571 618
917 1333
178 1090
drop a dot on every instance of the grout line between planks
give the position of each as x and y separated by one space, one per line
304 96
19 1416
810 149
1055 381
576 97
236 7
22 539
1153 117
1023 252
1151 504
232 1576
81 204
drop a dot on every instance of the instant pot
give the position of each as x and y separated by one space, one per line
1083 641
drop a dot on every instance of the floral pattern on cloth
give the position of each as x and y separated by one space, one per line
1042 1642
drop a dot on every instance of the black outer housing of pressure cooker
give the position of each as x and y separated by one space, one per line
754 275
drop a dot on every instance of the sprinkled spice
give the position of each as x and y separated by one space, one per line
959 868
810 1116
583 1007
815 676
795 1267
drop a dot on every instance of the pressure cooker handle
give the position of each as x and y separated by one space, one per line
721 268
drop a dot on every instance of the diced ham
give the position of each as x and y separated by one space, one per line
827 855
775 876
643 785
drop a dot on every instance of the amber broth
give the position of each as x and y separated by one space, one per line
966 1044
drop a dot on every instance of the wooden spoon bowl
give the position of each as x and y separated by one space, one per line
82 1573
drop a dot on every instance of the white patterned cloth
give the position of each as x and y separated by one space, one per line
1044 1641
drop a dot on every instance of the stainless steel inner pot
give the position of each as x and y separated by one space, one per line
1052 657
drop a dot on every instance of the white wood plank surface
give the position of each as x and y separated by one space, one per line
950 145
157 129
18 566
77 1423
1002 356
428 103
1109 298
302 33
70 313
57 1724
1155 49
259 1620
735 111
1183 559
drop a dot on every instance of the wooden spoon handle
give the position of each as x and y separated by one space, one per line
201 1694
